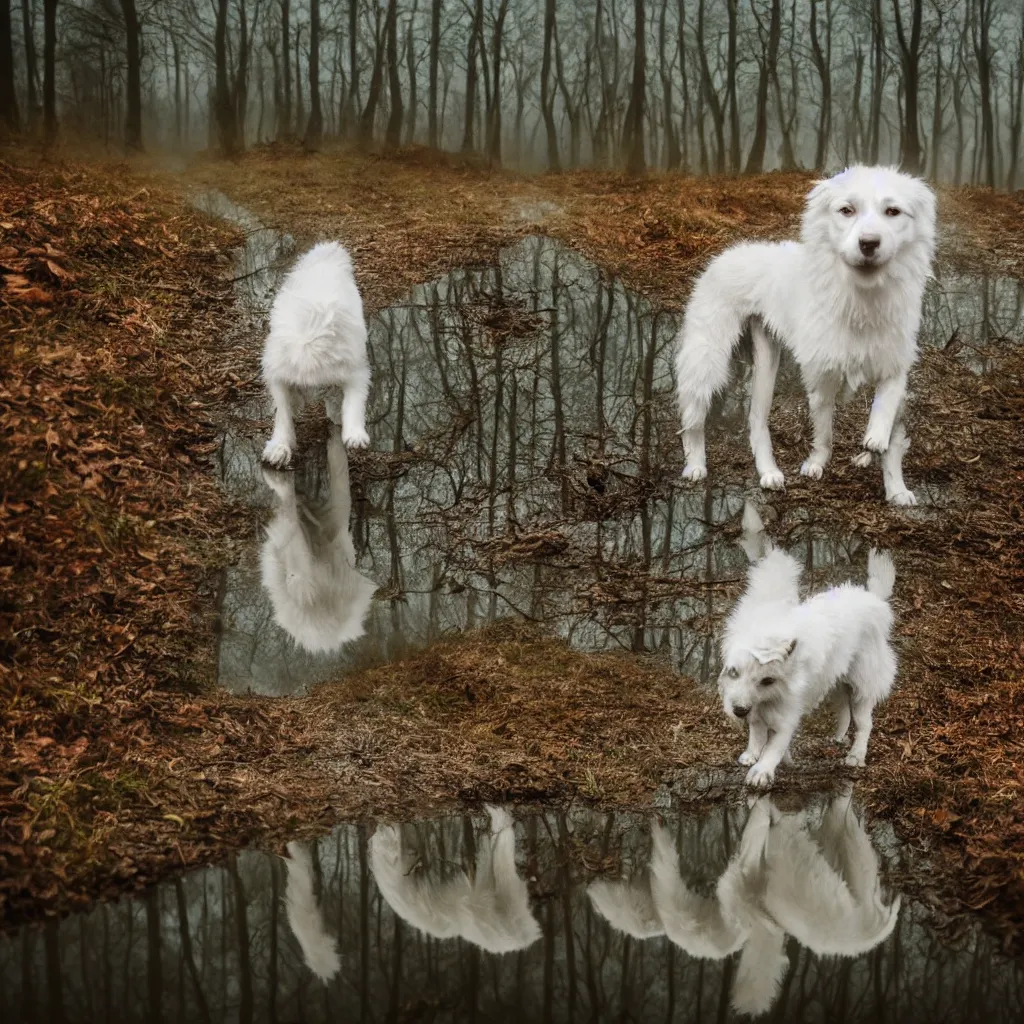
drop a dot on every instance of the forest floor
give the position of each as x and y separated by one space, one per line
119 759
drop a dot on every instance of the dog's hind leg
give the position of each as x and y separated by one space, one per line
841 706
821 397
278 451
762 388
862 709
892 465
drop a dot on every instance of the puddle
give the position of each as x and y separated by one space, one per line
524 461
554 916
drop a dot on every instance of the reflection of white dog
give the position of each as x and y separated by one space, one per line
303 912
317 339
308 561
491 909
819 884
781 658
845 300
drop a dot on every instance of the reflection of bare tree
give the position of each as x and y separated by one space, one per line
491 909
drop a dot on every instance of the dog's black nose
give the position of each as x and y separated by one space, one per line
741 712
869 246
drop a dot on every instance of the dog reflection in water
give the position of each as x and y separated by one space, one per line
491 909
319 947
816 882
308 560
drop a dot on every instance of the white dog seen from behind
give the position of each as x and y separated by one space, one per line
782 656
845 300
317 339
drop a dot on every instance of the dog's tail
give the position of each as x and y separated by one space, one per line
881 574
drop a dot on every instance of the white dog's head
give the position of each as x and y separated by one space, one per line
755 676
869 216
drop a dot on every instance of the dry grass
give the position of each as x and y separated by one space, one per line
119 761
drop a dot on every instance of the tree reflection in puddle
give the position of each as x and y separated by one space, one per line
528 415
759 909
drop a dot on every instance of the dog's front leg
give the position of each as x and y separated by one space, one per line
353 410
821 397
278 451
896 490
884 409
758 737
762 774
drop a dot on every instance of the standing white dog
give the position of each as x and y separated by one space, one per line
317 339
781 658
845 300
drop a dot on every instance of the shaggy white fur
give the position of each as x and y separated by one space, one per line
781 657
317 339
318 946
845 300
491 909
308 561
816 881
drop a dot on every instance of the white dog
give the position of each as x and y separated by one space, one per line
845 300
816 882
318 945
781 658
490 910
308 561
317 339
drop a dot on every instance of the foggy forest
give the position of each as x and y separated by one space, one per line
728 87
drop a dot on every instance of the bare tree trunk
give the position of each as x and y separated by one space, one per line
376 81
433 139
672 155
823 62
1016 121
877 80
937 109
300 107
9 119
633 128
708 93
786 120
547 93
284 119
494 106
910 61
769 65
472 53
730 90
684 127
241 86
177 90
855 126
315 124
223 106
410 54
396 112
980 28
31 65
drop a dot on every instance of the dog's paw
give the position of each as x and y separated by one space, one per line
903 498
355 438
861 460
746 759
854 761
694 473
812 469
277 454
773 480
760 778
875 440
843 741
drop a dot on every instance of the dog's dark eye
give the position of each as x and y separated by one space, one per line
769 681
892 211
846 211
733 673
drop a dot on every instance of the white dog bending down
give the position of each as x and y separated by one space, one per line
782 657
845 300
491 909
317 339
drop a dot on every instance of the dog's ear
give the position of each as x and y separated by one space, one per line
922 199
774 650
